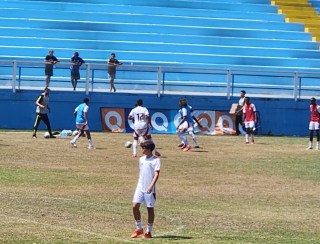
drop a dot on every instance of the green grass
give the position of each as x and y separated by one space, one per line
224 192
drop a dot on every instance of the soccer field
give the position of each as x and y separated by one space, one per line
224 192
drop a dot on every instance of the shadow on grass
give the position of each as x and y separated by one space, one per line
201 151
173 237
4 145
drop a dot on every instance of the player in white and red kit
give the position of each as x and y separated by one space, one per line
249 118
314 122
142 127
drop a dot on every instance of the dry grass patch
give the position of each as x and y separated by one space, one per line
224 192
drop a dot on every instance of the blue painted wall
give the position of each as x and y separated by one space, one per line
278 116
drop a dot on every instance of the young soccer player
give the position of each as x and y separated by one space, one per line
186 124
249 119
142 128
314 122
82 123
145 192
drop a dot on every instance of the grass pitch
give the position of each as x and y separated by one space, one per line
224 192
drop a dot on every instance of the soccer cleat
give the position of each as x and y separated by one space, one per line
157 154
183 147
147 235
252 142
134 155
246 142
73 144
52 136
90 147
197 146
309 148
181 144
34 137
137 233
187 148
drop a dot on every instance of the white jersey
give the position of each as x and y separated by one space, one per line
148 167
139 115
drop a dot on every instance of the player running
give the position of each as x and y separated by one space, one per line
82 123
314 122
142 127
249 118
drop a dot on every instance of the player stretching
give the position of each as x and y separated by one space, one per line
145 193
249 119
314 122
140 117
82 123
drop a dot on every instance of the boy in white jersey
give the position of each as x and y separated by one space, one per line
145 192
142 128
82 123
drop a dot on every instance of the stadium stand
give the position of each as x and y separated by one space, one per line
301 11
231 34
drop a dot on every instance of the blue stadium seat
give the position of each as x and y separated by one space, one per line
230 34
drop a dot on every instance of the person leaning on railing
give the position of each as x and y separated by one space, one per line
50 61
112 64
76 62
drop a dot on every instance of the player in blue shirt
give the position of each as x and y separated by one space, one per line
82 123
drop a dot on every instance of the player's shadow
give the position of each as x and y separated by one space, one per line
173 237
201 151
4 145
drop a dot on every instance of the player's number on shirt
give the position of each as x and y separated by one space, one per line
140 116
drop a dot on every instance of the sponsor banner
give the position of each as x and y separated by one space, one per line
113 119
166 121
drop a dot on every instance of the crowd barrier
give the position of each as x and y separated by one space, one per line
17 75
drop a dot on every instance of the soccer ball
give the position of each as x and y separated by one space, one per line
128 144
46 135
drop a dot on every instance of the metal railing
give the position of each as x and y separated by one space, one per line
166 79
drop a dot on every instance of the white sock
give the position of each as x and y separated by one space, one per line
194 138
90 143
138 224
310 143
247 137
134 147
75 138
185 139
149 228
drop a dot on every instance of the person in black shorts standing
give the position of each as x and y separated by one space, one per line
112 64
50 61
76 62
42 109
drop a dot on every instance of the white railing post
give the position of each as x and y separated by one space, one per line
229 77
159 78
87 78
295 85
14 75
